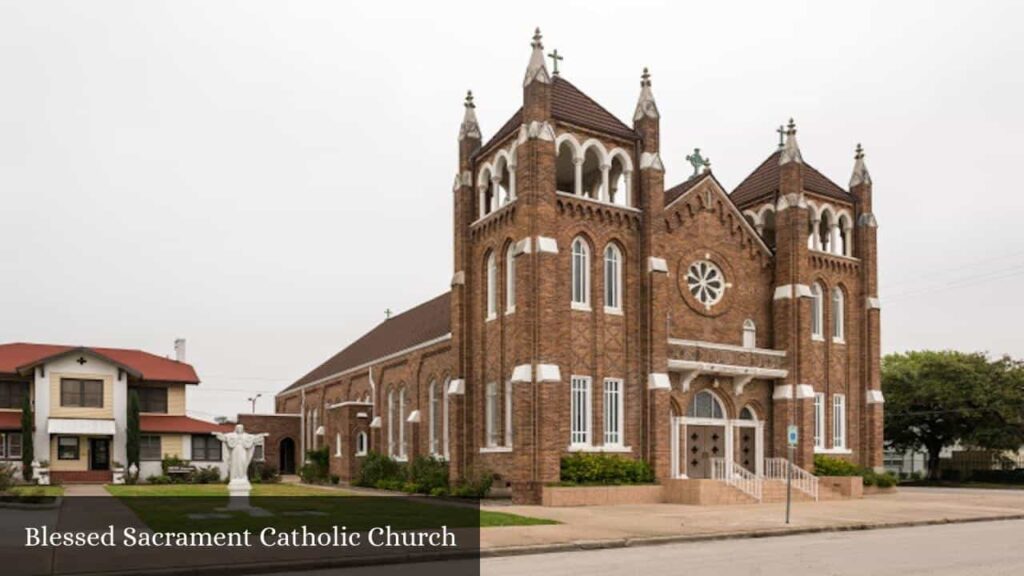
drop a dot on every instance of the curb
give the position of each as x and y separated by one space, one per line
584 545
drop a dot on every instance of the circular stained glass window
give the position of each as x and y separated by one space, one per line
706 282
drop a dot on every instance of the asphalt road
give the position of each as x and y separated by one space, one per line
975 549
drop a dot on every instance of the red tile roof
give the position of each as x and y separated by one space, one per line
570 104
428 321
10 420
764 181
17 357
179 425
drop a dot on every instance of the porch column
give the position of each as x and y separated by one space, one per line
759 449
729 448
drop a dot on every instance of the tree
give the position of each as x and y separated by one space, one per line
937 399
27 446
132 440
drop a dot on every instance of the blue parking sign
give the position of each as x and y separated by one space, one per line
793 434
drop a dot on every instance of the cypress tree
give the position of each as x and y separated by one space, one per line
132 444
27 447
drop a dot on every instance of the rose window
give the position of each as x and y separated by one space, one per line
706 282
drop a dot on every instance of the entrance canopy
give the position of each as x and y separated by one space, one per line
80 426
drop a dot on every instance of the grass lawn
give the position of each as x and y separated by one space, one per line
167 508
40 490
940 484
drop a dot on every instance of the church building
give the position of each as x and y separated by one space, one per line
596 308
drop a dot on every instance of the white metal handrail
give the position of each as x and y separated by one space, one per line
737 476
804 481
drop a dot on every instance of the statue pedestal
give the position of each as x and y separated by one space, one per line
238 498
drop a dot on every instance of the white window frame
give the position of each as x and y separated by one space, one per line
362 443
839 421
491 415
819 420
817 312
337 445
838 315
492 287
749 334
613 279
580 273
402 448
444 411
391 423
259 452
614 411
508 414
434 420
510 279
580 411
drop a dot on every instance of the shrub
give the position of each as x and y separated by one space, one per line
377 467
476 484
604 469
263 473
335 479
162 479
392 484
439 492
428 473
316 469
208 475
999 476
173 462
828 466
6 477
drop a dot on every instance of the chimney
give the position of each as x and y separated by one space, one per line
179 349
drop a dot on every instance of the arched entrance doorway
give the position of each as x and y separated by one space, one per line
287 456
705 438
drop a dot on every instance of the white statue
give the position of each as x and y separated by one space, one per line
240 447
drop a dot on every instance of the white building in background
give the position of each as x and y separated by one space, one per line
79 397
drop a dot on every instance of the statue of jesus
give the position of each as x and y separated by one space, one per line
241 446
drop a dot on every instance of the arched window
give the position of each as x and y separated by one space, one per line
444 416
337 445
749 334
613 278
510 278
401 424
504 180
580 274
565 168
392 416
817 312
768 228
361 444
488 201
619 176
435 418
825 231
492 286
706 405
593 176
845 244
747 414
838 315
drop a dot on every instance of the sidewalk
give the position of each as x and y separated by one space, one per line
617 526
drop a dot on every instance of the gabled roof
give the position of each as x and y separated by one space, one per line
428 321
18 357
679 190
179 425
764 181
673 193
570 104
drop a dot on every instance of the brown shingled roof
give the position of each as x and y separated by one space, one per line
425 322
569 104
673 193
764 181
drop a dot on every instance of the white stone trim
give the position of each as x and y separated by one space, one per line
522 247
375 423
348 403
792 291
457 387
414 417
522 373
875 397
727 369
785 391
832 451
658 381
726 347
459 278
495 449
548 245
874 303
655 264
362 415
867 220
592 448
549 373
649 161
601 202
804 391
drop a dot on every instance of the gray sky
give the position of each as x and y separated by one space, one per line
265 178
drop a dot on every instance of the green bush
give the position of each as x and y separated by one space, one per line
161 479
428 473
316 469
439 492
208 475
392 484
377 467
263 473
476 484
6 477
335 479
999 476
827 466
604 469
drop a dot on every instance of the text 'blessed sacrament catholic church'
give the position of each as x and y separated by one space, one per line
594 309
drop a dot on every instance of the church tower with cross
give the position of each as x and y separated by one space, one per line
595 310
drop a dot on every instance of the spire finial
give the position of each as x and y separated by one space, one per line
698 162
536 70
470 128
860 169
790 150
782 135
645 106
555 59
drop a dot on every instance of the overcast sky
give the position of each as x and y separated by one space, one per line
266 178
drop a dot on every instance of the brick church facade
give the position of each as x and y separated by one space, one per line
593 308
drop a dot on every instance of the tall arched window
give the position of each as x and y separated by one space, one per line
705 405
401 424
838 315
613 278
361 444
510 278
492 286
435 418
580 274
444 416
817 312
392 416
749 334
825 231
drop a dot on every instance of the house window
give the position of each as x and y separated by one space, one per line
10 446
79 393
580 416
259 453
149 448
361 444
152 400
337 445
580 274
838 421
12 394
838 315
819 420
67 448
206 449
817 312
613 412
749 334
613 278
492 286
435 420
510 279
491 414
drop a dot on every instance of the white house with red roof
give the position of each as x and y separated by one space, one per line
80 397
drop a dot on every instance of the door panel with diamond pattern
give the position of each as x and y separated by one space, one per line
702 444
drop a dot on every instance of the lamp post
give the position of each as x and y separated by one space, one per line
253 401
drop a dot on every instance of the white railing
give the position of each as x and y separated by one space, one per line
737 476
804 481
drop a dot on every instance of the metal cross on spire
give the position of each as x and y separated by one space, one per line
387 314
782 135
698 162
555 59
